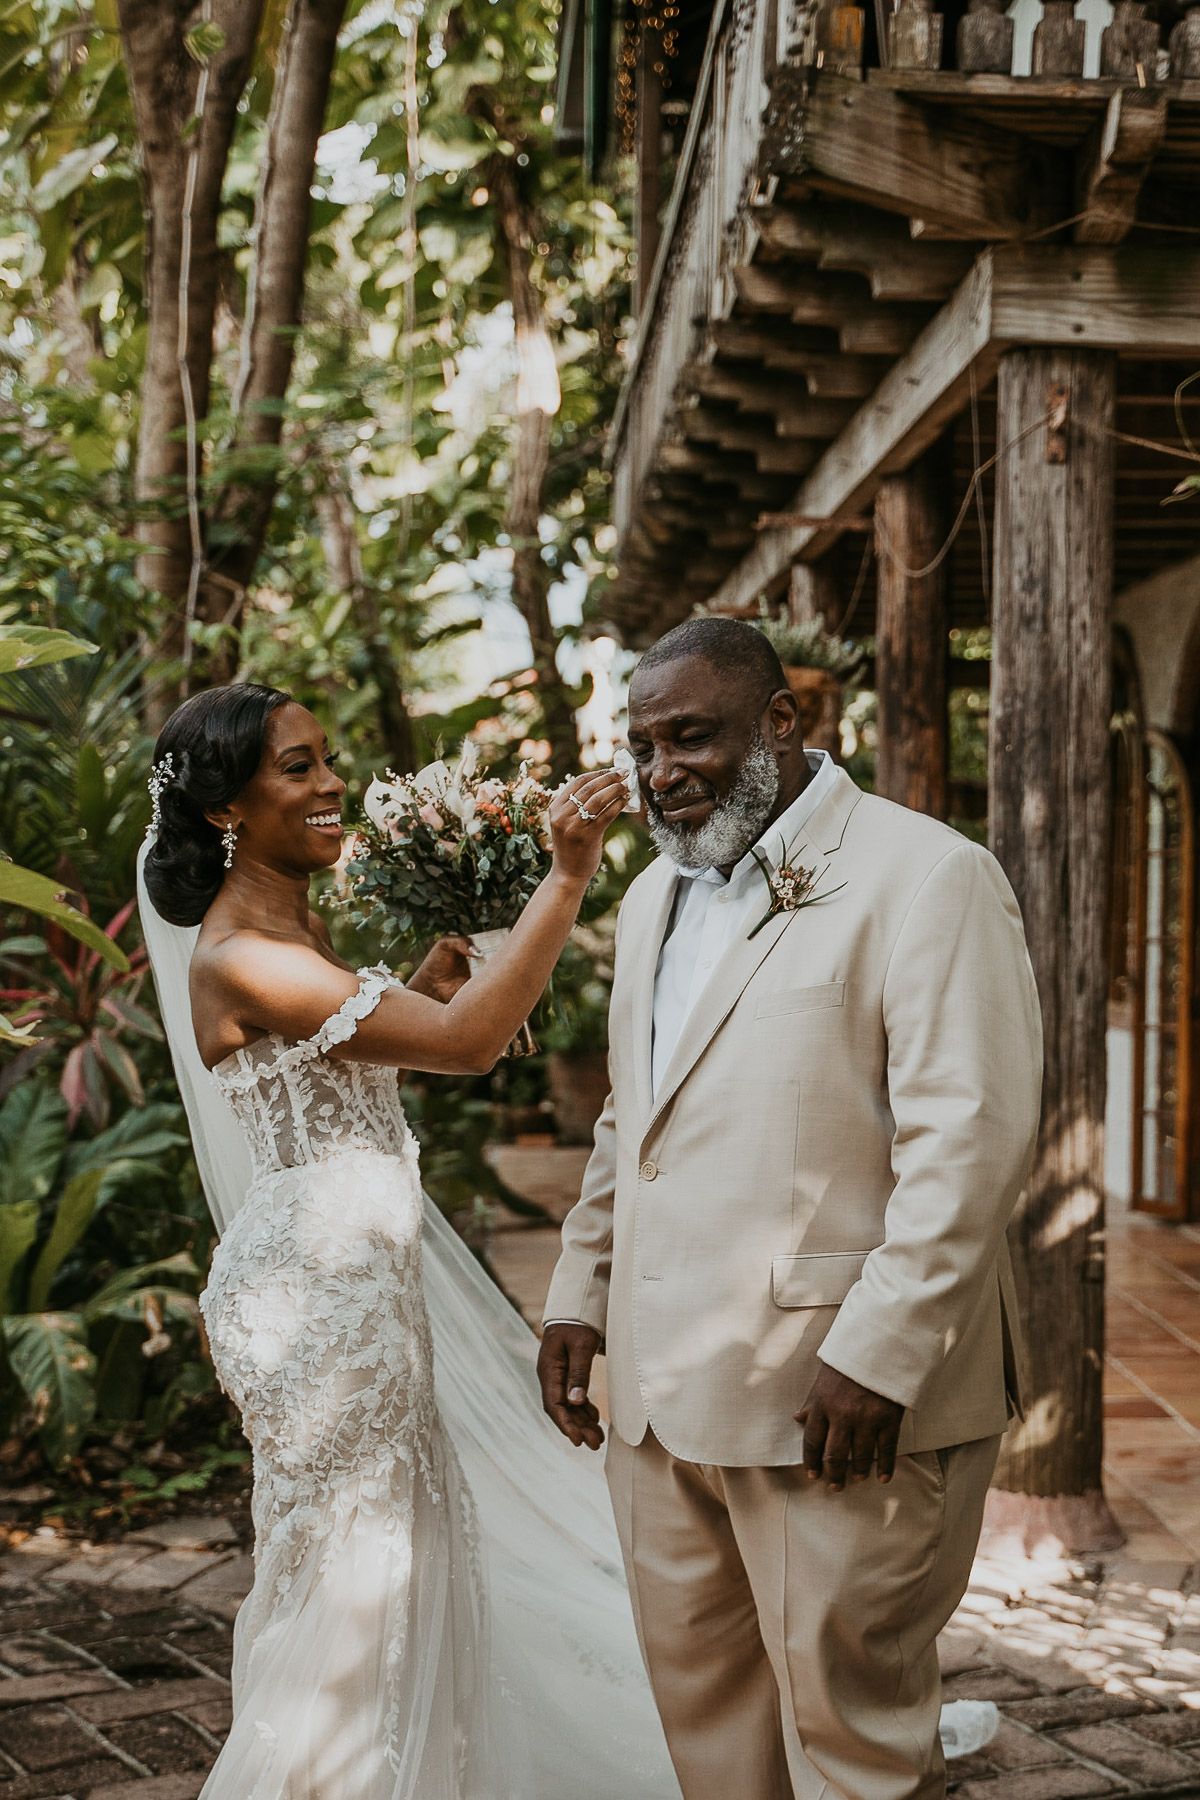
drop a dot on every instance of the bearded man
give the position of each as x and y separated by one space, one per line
826 1075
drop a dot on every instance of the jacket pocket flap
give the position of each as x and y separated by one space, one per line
816 1280
805 999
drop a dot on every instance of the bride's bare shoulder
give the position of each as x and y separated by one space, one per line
247 958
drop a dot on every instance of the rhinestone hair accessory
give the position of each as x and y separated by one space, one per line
161 776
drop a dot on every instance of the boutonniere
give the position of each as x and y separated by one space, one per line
791 886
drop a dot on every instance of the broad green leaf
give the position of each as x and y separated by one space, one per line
33 1131
123 1284
18 1229
70 172
72 1217
31 892
30 646
56 1370
91 792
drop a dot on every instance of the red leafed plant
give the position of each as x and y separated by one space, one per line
78 1002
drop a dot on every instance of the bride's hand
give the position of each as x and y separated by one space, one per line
446 967
580 814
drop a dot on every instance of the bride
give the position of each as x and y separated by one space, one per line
414 1632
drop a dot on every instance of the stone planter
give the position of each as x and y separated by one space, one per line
578 1089
819 698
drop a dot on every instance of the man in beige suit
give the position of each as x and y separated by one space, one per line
790 1241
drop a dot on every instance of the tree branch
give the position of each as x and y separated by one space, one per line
280 258
163 80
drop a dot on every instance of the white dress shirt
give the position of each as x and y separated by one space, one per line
711 910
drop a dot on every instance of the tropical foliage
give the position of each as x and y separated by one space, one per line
381 461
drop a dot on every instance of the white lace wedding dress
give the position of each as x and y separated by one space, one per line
393 1646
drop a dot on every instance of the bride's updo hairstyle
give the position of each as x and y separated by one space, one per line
215 743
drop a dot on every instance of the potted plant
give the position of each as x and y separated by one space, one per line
574 1031
818 666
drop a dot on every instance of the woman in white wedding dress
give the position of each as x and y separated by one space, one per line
412 1634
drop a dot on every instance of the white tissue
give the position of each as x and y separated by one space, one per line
968 1725
626 768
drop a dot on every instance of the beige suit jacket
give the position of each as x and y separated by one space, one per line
831 1160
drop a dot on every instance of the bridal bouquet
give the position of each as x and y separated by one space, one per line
451 852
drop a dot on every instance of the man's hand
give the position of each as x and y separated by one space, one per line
444 970
847 1427
564 1370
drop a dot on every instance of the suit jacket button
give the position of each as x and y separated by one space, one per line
649 1171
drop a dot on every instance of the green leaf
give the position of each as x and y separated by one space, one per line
69 173
31 646
18 1229
204 41
91 792
73 1215
33 1132
122 1285
56 1370
31 892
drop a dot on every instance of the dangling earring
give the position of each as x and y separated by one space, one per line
229 839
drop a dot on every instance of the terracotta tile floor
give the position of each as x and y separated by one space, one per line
1152 1384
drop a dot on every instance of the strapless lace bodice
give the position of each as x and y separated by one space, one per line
296 1105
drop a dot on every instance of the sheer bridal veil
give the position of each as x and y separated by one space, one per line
564 1652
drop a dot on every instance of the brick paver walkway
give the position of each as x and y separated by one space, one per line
114 1662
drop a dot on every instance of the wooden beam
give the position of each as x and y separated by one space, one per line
1049 818
786 456
918 396
826 376
871 145
876 245
1136 301
912 639
1116 162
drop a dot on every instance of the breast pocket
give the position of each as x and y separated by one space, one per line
805 999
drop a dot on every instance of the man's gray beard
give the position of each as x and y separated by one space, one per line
735 823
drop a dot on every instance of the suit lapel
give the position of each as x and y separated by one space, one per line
824 831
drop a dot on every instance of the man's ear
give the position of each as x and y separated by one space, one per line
783 716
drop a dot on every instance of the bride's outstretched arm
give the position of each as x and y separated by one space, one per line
290 989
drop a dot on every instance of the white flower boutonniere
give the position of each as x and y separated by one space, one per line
791 886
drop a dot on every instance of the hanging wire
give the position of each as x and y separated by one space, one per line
412 144
985 569
859 584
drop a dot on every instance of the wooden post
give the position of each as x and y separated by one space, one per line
915 36
649 161
1049 804
985 39
1058 40
813 594
1185 42
911 640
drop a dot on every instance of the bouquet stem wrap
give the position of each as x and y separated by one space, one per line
486 943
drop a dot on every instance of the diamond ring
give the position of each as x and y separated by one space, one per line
587 817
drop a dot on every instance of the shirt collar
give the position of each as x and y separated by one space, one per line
782 832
